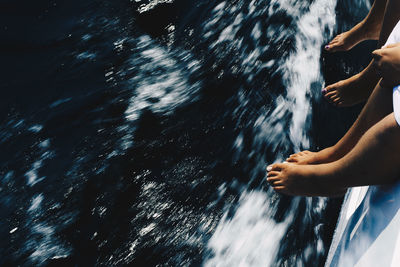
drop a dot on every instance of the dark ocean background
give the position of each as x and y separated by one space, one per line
136 132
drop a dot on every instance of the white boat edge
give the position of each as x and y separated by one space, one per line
374 235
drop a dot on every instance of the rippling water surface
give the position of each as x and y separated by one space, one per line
137 132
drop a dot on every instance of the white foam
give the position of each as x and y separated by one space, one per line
251 237
36 128
152 4
32 174
162 83
36 202
46 246
245 239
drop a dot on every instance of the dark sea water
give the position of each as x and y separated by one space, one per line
137 132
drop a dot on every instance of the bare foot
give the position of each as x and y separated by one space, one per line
307 157
303 180
372 161
303 157
353 90
347 40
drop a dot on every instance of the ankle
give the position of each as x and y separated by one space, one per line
325 175
370 28
335 152
326 155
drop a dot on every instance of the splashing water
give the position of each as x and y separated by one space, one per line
162 83
251 237
245 239
144 144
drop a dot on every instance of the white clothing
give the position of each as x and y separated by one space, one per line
394 37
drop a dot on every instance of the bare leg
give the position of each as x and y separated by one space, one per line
374 160
377 107
368 29
356 89
390 19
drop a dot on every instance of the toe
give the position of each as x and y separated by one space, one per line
335 44
336 100
332 97
272 175
338 46
277 183
330 88
334 47
272 180
275 167
330 94
341 104
331 44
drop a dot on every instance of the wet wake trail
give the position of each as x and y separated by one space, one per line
137 132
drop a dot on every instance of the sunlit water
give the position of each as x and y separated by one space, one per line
252 238
137 132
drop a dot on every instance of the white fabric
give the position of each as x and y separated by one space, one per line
394 37
396 103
